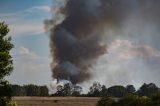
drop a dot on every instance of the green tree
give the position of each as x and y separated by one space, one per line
117 91
148 90
18 90
76 90
6 64
59 91
32 90
104 91
67 89
95 89
43 91
130 89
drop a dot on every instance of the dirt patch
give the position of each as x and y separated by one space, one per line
56 101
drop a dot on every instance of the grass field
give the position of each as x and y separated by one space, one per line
56 101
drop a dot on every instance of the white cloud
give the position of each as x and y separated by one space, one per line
23 50
27 54
43 8
29 28
20 26
30 68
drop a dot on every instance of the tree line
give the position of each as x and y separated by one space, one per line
98 90
29 90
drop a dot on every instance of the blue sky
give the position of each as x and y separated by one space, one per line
31 53
16 5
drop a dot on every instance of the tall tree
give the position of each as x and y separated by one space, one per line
148 89
67 89
32 90
76 90
130 89
6 65
43 91
18 90
59 91
95 89
104 91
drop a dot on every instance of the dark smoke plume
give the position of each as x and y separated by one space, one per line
76 42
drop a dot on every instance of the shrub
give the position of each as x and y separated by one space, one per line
155 100
134 100
12 104
106 101
5 101
131 100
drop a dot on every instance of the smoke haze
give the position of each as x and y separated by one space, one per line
121 36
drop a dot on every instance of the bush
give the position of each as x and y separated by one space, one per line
117 91
106 101
155 100
5 101
134 100
12 104
131 100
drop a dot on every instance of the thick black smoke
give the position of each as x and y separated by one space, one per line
76 43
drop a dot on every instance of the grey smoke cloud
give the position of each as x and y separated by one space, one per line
89 27
128 63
